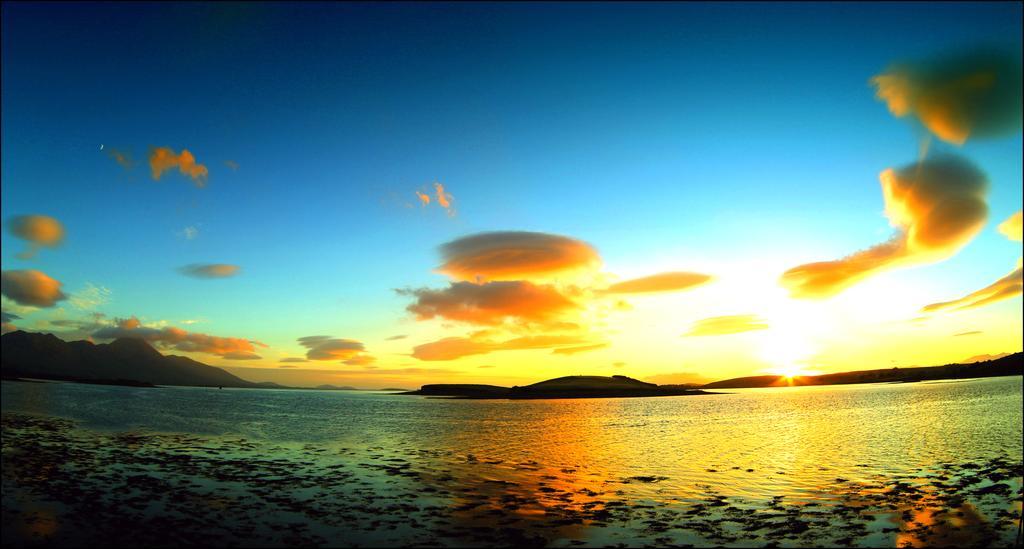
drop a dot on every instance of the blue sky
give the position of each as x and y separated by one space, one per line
665 135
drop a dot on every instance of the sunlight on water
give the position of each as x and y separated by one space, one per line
897 458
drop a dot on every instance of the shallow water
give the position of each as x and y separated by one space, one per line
868 465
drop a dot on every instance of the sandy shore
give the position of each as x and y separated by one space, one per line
68 486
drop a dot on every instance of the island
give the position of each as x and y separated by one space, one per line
562 387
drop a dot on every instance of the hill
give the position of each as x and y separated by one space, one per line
562 387
1005 366
46 356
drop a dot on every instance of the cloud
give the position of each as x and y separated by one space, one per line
293 359
287 366
90 297
662 282
424 198
397 337
513 255
5 322
491 303
1011 228
975 94
444 199
722 325
40 231
1004 288
937 206
231 348
211 270
678 378
486 366
451 348
123 158
580 349
190 232
360 360
231 164
1009 286
31 288
972 332
329 348
162 159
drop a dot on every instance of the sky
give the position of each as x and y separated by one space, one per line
387 195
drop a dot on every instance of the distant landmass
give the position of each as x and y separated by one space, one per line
1008 365
328 387
562 387
133 362
122 362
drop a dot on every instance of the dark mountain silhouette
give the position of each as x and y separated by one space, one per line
562 387
1006 366
124 360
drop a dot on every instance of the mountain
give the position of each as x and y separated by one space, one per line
47 356
1004 366
562 387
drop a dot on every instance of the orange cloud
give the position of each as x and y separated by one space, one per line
164 158
1011 228
40 231
451 348
722 325
329 348
1004 288
32 288
937 207
512 255
491 303
444 199
977 94
212 270
662 282
5 322
231 348
579 349
424 198
360 360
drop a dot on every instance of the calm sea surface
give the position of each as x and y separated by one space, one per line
809 445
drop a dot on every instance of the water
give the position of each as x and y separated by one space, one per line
825 446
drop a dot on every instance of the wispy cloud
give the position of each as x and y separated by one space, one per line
90 297
451 348
975 94
723 325
937 206
662 282
31 288
162 159
40 231
1009 286
209 270
579 349
970 333
231 348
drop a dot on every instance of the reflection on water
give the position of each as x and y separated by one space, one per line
878 465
